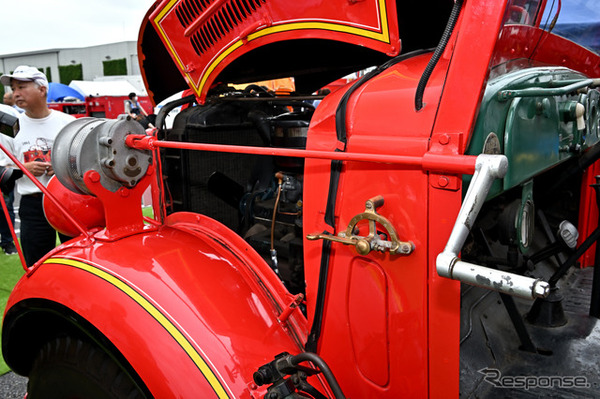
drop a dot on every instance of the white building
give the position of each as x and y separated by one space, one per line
91 60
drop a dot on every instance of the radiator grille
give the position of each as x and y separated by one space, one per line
191 170
222 21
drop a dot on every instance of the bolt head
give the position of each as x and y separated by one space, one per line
443 181
94 176
541 289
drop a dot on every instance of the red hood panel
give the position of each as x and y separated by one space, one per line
205 37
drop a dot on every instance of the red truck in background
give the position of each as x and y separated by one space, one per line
102 99
425 231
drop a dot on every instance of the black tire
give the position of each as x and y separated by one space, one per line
70 368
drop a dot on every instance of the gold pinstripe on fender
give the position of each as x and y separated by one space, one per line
163 320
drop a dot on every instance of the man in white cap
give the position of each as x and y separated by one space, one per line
39 125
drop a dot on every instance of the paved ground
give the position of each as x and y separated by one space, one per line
12 386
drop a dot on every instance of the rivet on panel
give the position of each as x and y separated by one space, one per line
443 181
444 139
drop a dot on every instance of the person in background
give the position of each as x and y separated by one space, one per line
9 100
134 109
6 240
39 126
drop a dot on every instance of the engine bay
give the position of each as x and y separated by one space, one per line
259 197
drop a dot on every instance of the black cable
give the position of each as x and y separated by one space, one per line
321 365
593 238
439 50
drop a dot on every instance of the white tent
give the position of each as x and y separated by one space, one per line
104 88
135 80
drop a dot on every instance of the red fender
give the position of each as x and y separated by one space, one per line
190 306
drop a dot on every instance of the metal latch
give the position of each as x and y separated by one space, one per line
375 240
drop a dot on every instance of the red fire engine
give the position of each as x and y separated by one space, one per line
422 232
99 106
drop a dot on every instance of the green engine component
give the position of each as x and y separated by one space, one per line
537 117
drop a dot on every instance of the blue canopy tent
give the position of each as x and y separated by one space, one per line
58 92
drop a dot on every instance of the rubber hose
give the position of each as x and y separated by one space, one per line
439 50
321 365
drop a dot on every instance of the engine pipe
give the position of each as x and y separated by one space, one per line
456 164
164 111
489 168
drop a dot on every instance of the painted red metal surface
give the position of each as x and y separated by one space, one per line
515 42
191 306
375 331
86 209
391 324
588 213
112 106
203 40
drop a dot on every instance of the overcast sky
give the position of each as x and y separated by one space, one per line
29 25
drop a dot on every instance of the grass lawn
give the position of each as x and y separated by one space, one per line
10 272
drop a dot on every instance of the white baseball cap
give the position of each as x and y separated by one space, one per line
27 74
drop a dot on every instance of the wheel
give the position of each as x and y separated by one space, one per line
70 368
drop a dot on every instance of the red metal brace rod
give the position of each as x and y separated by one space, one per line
455 164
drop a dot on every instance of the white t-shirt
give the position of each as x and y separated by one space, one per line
34 143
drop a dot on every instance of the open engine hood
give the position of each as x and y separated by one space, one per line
235 41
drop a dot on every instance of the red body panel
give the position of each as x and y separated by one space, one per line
375 331
551 50
191 305
588 213
192 35
193 314
455 119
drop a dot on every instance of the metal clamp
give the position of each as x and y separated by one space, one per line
373 241
448 264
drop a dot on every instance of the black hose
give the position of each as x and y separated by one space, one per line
321 365
164 111
439 50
